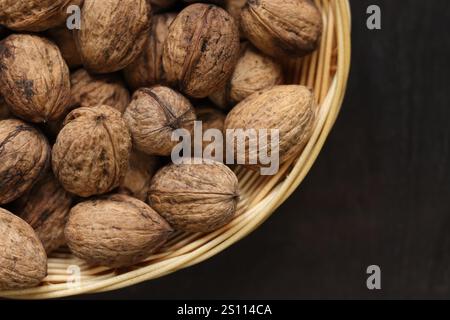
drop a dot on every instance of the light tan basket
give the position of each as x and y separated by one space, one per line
326 71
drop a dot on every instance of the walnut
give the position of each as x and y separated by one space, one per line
282 28
94 90
201 49
153 114
34 15
22 257
147 69
254 72
24 155
116 231
140 171
288 108
45 207
91 152
63 38
113 33
34 78
195 197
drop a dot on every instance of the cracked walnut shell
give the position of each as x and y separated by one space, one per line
282 28
24 155
34 78
201 49
195 197
115 231
91 152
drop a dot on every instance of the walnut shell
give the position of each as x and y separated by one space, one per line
147 69
140 171
282 28
254 72
113 33
91 152
153 114
46 208
288 108
24 155
63 38
201 49
195 197
116 231
34 15
34 78
22 257
94 90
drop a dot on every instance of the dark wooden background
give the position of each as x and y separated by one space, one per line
379 192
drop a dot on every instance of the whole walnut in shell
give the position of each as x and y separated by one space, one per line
152 116
147 69
34 15
113 33
34 78
288 108
46 208
116 231
94 90
254 72
91 152
24 155
195 197
22 257
282 28
63 38
201 49
140 171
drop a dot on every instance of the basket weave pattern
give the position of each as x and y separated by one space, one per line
326 71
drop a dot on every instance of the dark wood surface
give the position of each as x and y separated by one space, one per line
379 192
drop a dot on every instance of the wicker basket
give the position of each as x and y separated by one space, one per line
326 71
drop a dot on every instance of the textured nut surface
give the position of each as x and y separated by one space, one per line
254 72
201 49
94 90
24 155
116 231
113 33
63 38
140 171
195 197
23 262
234 8
153 114
46 208
34 78
282 28
288 108
147 69
91 152
34 15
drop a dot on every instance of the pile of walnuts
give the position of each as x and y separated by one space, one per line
87 115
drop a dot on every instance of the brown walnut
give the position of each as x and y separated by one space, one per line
140 171
34 78
147 69
115 231
34 15
113 33
282 28
45 207
201 49
195 197
254 72
24 155
63 38
153 114
288 108
91 152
